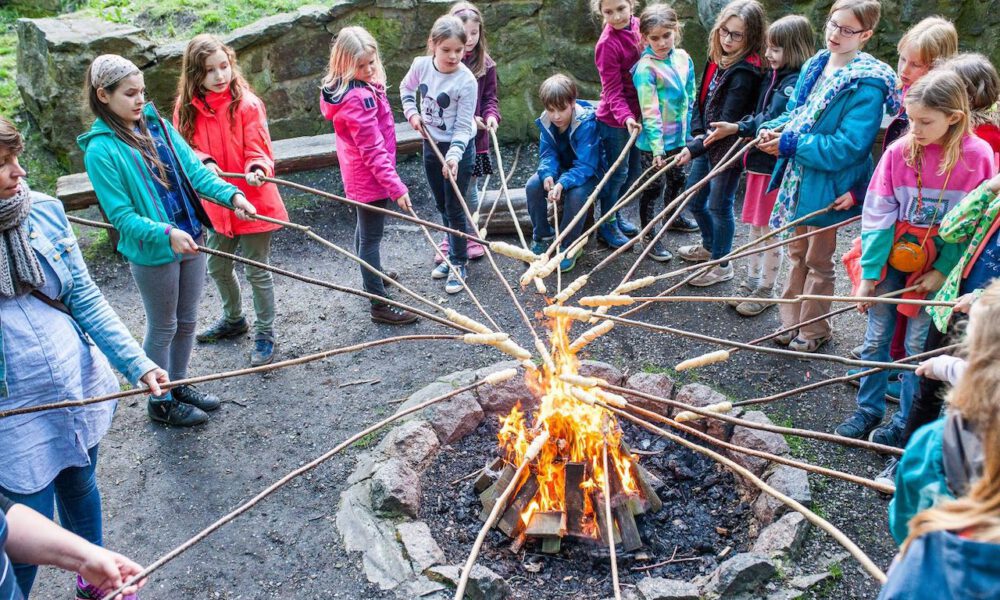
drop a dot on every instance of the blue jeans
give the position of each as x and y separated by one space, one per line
712 206
448 204
538 209
74 492
367 239
878 338
613 140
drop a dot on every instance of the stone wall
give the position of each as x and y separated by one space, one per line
284 56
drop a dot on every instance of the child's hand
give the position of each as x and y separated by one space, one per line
931 281
684 157
108 570
153 379
181 242
214 167
547 184
480 124
492 123
450 169
659 161
770 146
767 135
243 207
555 194
720 130
632 125
965 302
994 184
866 289
417 124
404 202
843 202
255 177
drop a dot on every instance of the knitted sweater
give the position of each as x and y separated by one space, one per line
893 196
666 93
447 103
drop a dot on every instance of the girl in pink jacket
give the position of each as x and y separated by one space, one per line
226 125
353 98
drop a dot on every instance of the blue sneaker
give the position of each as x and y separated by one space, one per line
569 263
889 435
857 426
539 247
454 284
263 350
611 235
440 271
627 227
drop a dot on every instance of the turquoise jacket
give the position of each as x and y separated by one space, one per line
836 155
920 479
125 188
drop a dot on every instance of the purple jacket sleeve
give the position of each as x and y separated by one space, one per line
608 60
490 103
361 124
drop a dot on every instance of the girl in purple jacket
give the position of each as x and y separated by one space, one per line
353 98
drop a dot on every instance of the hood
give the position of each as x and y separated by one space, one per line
583 111
335 99
100 128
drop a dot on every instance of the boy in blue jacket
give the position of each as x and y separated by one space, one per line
568 164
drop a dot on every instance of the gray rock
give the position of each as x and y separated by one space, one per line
660 588
422 588
756 439
785 595
395 489
804 582
784 537
459 378
413 442
499 399
484 584
654 384
451 419
596 368
382 556
721 429
419 545
791 482
700 395
742 573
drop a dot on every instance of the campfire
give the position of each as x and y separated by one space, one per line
583 458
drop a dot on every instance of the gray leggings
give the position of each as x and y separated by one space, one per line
170 294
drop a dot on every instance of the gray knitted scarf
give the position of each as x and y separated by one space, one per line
20 271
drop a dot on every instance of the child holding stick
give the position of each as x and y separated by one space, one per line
824 157
446 117
226 125
918 180
664 80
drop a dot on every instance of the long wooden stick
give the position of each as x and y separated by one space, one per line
493 206
813 518
606 484
227 374
299 277
806 433
501 504
796 300
243 508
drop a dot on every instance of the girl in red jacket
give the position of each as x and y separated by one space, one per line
353 98
226 124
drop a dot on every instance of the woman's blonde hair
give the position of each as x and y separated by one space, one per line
660 15
349 48
943 91
981 82
468 13
931 38
977 398
795 36
189 88
867 12
445 28
755 24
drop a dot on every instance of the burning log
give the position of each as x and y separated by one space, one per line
491 473
574 476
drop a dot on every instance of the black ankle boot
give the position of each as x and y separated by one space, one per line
174 413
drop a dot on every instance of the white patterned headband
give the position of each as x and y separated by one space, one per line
109 69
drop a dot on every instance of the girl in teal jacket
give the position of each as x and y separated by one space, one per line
148 182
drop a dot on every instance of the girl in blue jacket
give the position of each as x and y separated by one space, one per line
824 157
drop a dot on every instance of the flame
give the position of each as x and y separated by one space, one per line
577 433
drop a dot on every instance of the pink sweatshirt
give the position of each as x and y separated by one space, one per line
616 53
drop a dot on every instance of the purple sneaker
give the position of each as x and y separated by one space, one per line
86 591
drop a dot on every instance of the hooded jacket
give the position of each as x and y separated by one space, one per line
734 97
774 94
584 140
366 141
236 146
616 53
945 566
126 191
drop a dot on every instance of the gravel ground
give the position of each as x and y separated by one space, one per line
160 485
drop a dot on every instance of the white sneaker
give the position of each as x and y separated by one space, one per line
694 253
714 275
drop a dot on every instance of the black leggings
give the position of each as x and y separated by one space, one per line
669 185
929 399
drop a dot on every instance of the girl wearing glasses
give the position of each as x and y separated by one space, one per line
729 89
824 157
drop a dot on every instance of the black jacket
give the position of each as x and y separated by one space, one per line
774 94
734 97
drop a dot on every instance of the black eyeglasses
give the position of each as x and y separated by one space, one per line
736 36
847 32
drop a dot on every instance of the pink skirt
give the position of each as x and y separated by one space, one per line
757 203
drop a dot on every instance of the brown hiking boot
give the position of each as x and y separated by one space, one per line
391 315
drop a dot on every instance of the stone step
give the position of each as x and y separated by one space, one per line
290 155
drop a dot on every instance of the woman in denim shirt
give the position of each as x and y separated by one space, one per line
55 331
